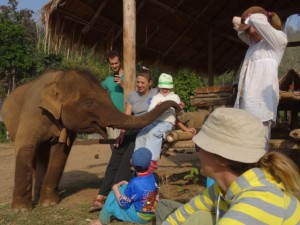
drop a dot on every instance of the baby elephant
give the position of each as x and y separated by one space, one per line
43 117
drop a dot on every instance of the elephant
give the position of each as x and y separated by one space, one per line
43 118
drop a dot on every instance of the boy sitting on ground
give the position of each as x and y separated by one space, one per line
134 201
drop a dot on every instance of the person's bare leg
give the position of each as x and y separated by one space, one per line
96 222
101 197
98 203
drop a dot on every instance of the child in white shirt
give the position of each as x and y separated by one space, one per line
152 135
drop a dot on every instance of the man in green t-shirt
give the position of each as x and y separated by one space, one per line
114 85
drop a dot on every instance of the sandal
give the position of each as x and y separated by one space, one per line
98 204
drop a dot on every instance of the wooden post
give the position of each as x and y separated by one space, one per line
129 45
210 59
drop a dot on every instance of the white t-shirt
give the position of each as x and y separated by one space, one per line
168 115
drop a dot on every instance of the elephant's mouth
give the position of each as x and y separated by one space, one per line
100 130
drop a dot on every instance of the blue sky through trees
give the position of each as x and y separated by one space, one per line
34 5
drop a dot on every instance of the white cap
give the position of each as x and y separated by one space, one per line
165 81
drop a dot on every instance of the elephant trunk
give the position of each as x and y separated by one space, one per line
134 122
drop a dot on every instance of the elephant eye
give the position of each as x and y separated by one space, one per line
91 104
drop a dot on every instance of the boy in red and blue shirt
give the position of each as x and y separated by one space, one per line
136 200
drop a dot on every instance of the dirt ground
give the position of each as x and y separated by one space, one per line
85 170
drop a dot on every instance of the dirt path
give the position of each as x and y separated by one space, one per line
86 167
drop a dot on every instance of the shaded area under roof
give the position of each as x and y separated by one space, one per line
173 32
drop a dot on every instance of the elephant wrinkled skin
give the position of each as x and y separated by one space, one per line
43 117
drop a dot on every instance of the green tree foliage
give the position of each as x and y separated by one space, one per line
44 62
185 84
2 133
88 59
15 44
225 79
21 57
291 58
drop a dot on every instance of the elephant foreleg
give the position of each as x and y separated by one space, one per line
57 161
40 166
22 195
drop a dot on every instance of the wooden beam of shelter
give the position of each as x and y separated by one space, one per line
78 20
181 35
95 17
187 18
153 34
293 44
210 58
283 144
160 25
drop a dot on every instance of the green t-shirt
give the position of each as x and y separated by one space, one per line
115 92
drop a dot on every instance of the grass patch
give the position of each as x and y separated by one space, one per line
51 216
56 215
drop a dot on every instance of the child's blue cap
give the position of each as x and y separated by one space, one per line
142 157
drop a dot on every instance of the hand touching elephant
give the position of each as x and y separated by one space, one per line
43 117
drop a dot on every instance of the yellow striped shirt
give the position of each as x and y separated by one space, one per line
255 198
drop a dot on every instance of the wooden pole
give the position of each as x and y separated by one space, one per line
210 59
129 45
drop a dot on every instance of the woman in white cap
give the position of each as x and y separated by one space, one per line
253 186
258 88
152 135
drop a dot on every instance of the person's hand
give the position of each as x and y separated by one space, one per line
117 185
122 182
158 103
182 105
118 80
191 130
119 140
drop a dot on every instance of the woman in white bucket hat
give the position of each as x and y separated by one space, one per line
253 186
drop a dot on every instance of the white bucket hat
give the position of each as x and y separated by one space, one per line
234 134
165 81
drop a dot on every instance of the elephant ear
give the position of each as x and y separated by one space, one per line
50 100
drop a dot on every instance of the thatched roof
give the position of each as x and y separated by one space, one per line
176 32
